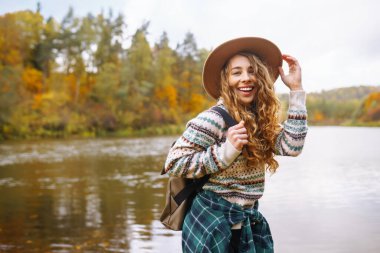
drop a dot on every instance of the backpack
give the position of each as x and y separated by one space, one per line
181 191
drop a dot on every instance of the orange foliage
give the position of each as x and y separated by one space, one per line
70 81
172 96
372 107
372 100
37 101
196 103
374 114
167 94
78 86
33 80
319 116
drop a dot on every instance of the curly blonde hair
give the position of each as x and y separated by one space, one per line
261 117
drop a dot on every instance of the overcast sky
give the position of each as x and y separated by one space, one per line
337 42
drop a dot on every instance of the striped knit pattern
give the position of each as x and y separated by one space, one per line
198 152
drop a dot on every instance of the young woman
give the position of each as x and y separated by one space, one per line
240 74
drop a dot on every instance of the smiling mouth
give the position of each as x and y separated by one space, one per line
246 89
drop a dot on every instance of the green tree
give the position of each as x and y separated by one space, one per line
43 54
102 109
137 79
70 49
109 39
165 94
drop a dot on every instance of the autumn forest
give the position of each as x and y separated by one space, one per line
84 77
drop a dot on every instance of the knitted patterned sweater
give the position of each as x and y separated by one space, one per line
204 149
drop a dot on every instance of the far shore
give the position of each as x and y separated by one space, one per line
147 132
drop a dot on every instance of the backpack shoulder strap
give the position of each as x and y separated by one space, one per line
226 116
197 184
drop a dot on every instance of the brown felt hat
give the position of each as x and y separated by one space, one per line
268 52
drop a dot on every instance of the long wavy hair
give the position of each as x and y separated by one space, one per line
261 117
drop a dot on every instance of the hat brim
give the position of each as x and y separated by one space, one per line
267 51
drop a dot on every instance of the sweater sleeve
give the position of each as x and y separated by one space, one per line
291 139
201 149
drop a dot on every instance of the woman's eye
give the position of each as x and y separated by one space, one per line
235 73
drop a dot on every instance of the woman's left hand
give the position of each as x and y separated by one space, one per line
293 79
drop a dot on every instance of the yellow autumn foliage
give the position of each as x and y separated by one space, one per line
196 104
13 57
167 94
319 116
32 80
373 100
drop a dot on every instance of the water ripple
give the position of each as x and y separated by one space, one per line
61 150
10 182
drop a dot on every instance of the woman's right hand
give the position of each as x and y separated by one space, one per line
237 135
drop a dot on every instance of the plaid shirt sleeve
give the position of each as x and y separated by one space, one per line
207 227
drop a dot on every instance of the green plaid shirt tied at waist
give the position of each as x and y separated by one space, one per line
207 226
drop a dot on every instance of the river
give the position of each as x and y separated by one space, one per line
105 195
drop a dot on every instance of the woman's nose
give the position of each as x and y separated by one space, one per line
246 77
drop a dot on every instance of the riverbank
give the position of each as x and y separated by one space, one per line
165 130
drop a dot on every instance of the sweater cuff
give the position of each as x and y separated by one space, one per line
297 100
229 152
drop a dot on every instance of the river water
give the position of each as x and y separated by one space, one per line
105 195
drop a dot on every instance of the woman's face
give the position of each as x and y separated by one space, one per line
242 79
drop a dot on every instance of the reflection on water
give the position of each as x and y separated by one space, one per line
58 151
83 195
105 195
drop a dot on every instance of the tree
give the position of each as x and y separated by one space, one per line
369 110
189 75
165 93
43 54
70 48
137 78
109 39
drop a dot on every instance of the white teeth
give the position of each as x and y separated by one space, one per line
246 89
